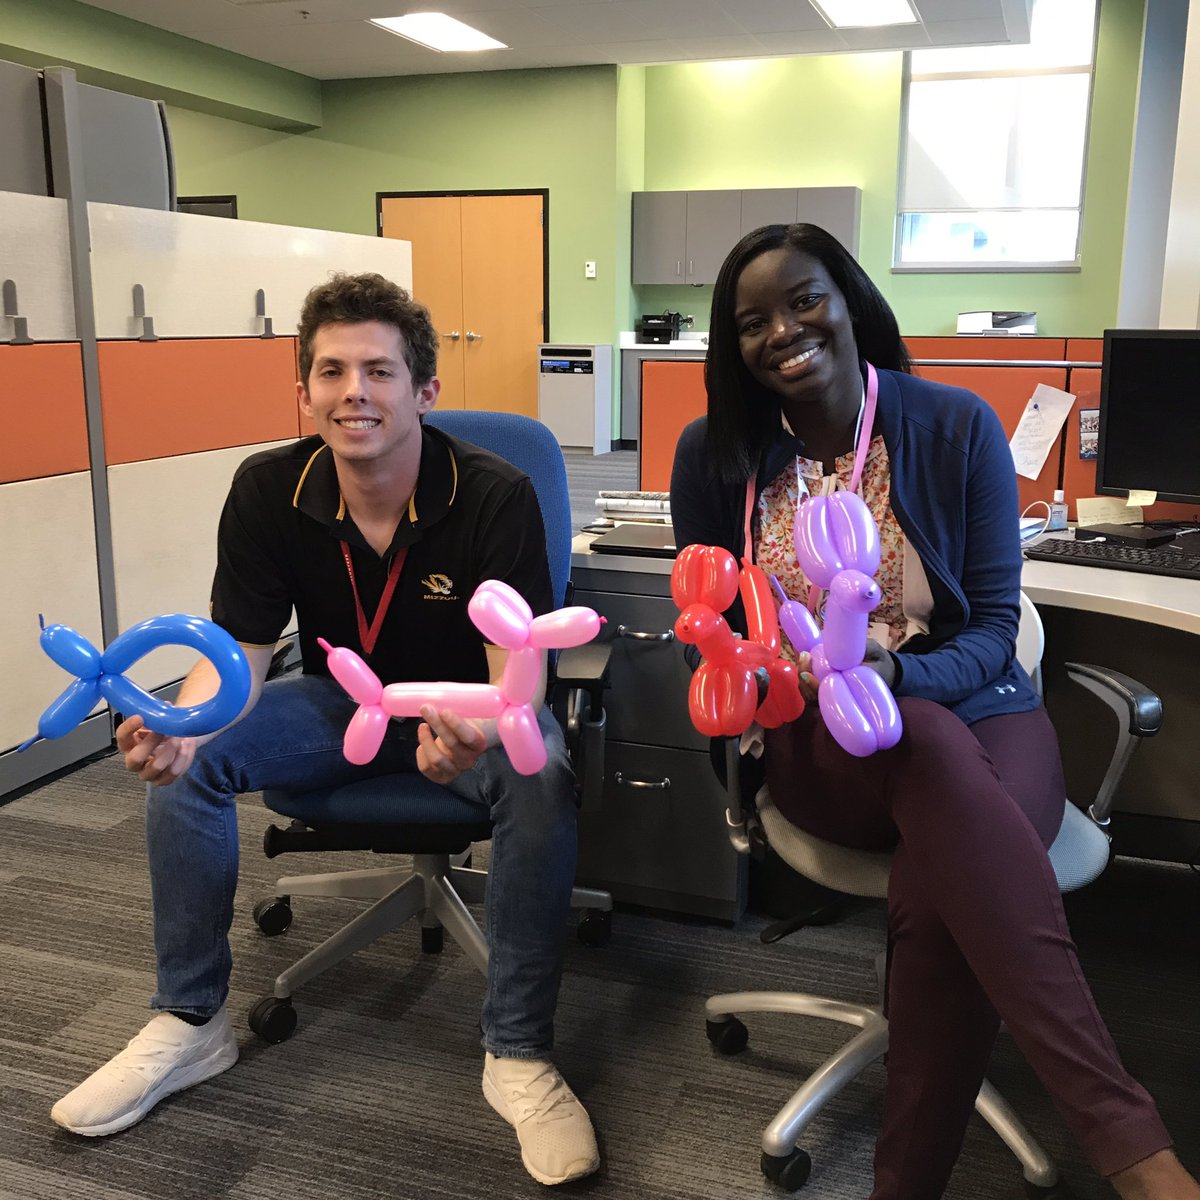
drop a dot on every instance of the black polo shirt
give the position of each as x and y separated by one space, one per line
473 517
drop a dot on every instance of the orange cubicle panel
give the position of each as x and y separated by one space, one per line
1079 474
173 397
1014 349
1085 350
41 394
672 395
1007 390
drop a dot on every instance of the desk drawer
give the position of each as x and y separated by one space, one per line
647 702
662 846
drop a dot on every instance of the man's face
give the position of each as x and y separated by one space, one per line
360 393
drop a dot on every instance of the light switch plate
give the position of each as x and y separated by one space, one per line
589 270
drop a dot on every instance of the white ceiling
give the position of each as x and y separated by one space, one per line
329 39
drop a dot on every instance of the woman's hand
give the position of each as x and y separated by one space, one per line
881 661
808 681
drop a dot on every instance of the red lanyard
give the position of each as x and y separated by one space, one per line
367 637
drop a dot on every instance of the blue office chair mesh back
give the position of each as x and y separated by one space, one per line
531 448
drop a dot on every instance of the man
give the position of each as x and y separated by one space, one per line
377 531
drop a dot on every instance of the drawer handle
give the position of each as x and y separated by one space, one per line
653 785
625 632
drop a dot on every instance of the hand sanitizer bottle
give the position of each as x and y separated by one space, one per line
1058 513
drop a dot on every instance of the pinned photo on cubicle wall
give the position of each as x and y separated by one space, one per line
1089 431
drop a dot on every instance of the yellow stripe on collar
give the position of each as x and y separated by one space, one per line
304 474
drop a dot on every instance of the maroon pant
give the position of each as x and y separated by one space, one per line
977 932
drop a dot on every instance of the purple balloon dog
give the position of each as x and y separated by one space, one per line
837 544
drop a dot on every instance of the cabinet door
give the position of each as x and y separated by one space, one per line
835 209
767 206
659 236
714 224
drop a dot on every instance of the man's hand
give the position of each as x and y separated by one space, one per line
881 661
447 745
154 757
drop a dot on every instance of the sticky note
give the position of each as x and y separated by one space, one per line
1141 498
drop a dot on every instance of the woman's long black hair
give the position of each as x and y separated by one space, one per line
743 415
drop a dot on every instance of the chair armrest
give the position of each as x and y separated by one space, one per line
586 668
1139 714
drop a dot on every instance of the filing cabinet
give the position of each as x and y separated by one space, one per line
658 836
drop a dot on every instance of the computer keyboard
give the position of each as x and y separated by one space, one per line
1160 560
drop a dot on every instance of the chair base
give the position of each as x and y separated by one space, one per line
433 890
779 1139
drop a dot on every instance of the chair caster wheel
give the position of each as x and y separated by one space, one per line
1056 1191
790 1171
432 939
729 1037
274 1020
595 928
273 915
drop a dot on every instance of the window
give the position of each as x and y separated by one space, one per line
994 139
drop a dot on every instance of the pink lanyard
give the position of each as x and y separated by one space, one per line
860 461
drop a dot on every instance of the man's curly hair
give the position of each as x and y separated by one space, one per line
351 299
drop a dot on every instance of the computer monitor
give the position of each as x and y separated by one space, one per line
1150 414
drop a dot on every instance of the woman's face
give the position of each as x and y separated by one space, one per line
793 328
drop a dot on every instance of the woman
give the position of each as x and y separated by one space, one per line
803 350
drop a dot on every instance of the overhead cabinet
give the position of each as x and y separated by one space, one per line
683 237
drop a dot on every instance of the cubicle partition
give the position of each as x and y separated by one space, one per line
112 476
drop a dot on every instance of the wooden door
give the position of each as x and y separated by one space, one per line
502 301
433 225
478 264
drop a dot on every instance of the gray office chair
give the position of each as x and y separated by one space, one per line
1079 854
407 814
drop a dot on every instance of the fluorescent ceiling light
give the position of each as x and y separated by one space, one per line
438 32
852 14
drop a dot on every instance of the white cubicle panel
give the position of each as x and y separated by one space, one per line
35 255
200 275
49 569
165 513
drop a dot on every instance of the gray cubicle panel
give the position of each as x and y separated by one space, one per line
22 141
126 150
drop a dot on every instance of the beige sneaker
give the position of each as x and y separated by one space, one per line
167 1056
555 1132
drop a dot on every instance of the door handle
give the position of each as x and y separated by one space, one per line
453 335
651 785
472 336
623 631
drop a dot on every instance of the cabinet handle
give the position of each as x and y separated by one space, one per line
691 271
651 785
625 632
453 336
679 267
472 336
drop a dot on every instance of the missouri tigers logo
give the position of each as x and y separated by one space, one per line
438 585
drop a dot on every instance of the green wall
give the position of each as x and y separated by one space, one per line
115 52
496 130
835 120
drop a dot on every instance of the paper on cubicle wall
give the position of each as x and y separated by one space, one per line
1038 429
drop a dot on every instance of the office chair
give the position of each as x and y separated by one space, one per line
1079 854
436 827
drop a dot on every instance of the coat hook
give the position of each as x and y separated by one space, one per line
260 310
139 314
20 335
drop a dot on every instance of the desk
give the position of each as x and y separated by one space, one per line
1145 626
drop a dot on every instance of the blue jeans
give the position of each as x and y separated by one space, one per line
292 740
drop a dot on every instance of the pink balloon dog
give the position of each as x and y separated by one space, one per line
837 544
502 616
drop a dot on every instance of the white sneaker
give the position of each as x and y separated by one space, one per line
167 1056
555 1132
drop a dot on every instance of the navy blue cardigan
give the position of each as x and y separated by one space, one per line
954 494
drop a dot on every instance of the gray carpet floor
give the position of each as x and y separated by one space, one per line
377 1094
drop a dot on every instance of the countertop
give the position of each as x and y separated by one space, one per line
696 343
